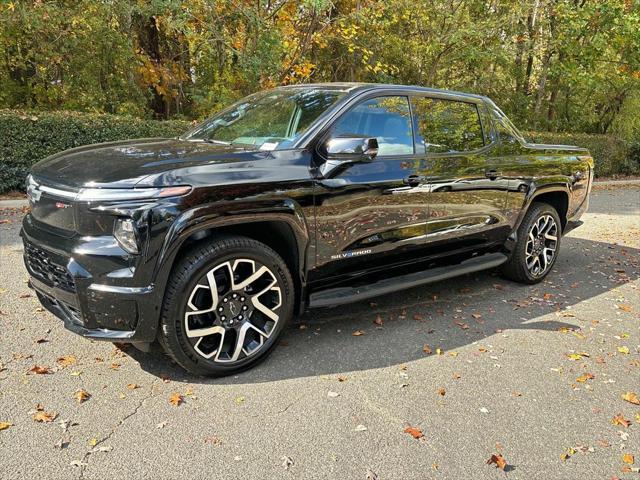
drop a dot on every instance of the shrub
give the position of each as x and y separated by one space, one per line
611 155
26 137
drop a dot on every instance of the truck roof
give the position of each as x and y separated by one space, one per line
363 86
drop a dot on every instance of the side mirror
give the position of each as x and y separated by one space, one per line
353 148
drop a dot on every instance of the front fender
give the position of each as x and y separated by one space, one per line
225 214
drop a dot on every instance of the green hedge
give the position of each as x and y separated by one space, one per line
26 138
611 155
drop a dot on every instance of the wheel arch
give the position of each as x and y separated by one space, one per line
280 226
556 195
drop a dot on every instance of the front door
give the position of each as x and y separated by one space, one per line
370 215
466 190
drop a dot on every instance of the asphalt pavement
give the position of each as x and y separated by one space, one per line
473 367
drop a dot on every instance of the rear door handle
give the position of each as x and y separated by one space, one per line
413 180
492 174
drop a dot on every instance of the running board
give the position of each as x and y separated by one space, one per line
341 295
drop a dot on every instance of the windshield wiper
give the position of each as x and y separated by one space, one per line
216 142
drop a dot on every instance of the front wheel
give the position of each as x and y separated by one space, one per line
227 302
537 246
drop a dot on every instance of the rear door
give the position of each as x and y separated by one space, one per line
372 214
463 176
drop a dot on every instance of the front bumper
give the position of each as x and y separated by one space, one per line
91 284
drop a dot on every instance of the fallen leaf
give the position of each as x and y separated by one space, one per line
81 396
40 370
414 432
5 425
66 360
132 386
628 458
577 356
358 333
102 449
61 444
427 349
620 420
176 399
625 308
624 350
631 397
287 462
44 417
371 475
378 320
584 377
240 400
497 460
439 351
462 325
442 391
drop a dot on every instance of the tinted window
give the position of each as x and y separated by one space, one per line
444 126
385 118
270 120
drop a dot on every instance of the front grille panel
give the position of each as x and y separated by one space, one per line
42 266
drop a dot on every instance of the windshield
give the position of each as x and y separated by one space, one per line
270 120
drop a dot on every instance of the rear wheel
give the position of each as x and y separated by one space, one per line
227 303
537 247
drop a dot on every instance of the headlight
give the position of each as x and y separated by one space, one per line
126 235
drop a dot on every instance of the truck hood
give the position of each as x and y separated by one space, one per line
135 162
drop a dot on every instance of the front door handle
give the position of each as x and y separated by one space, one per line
492 174
413 180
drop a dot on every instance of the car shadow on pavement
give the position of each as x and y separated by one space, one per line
447 315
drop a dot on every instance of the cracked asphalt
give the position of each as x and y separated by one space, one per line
328 404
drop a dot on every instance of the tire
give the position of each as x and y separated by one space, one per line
540 231
212 325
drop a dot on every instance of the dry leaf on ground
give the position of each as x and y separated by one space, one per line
584 377
81 396
44 417
497 460
631 397
66 360
40 370
176 399
620 420
414 432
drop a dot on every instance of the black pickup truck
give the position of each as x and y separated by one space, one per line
298 197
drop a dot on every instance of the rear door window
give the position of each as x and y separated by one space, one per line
446 126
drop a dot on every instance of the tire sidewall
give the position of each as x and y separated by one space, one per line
535 213
173 332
